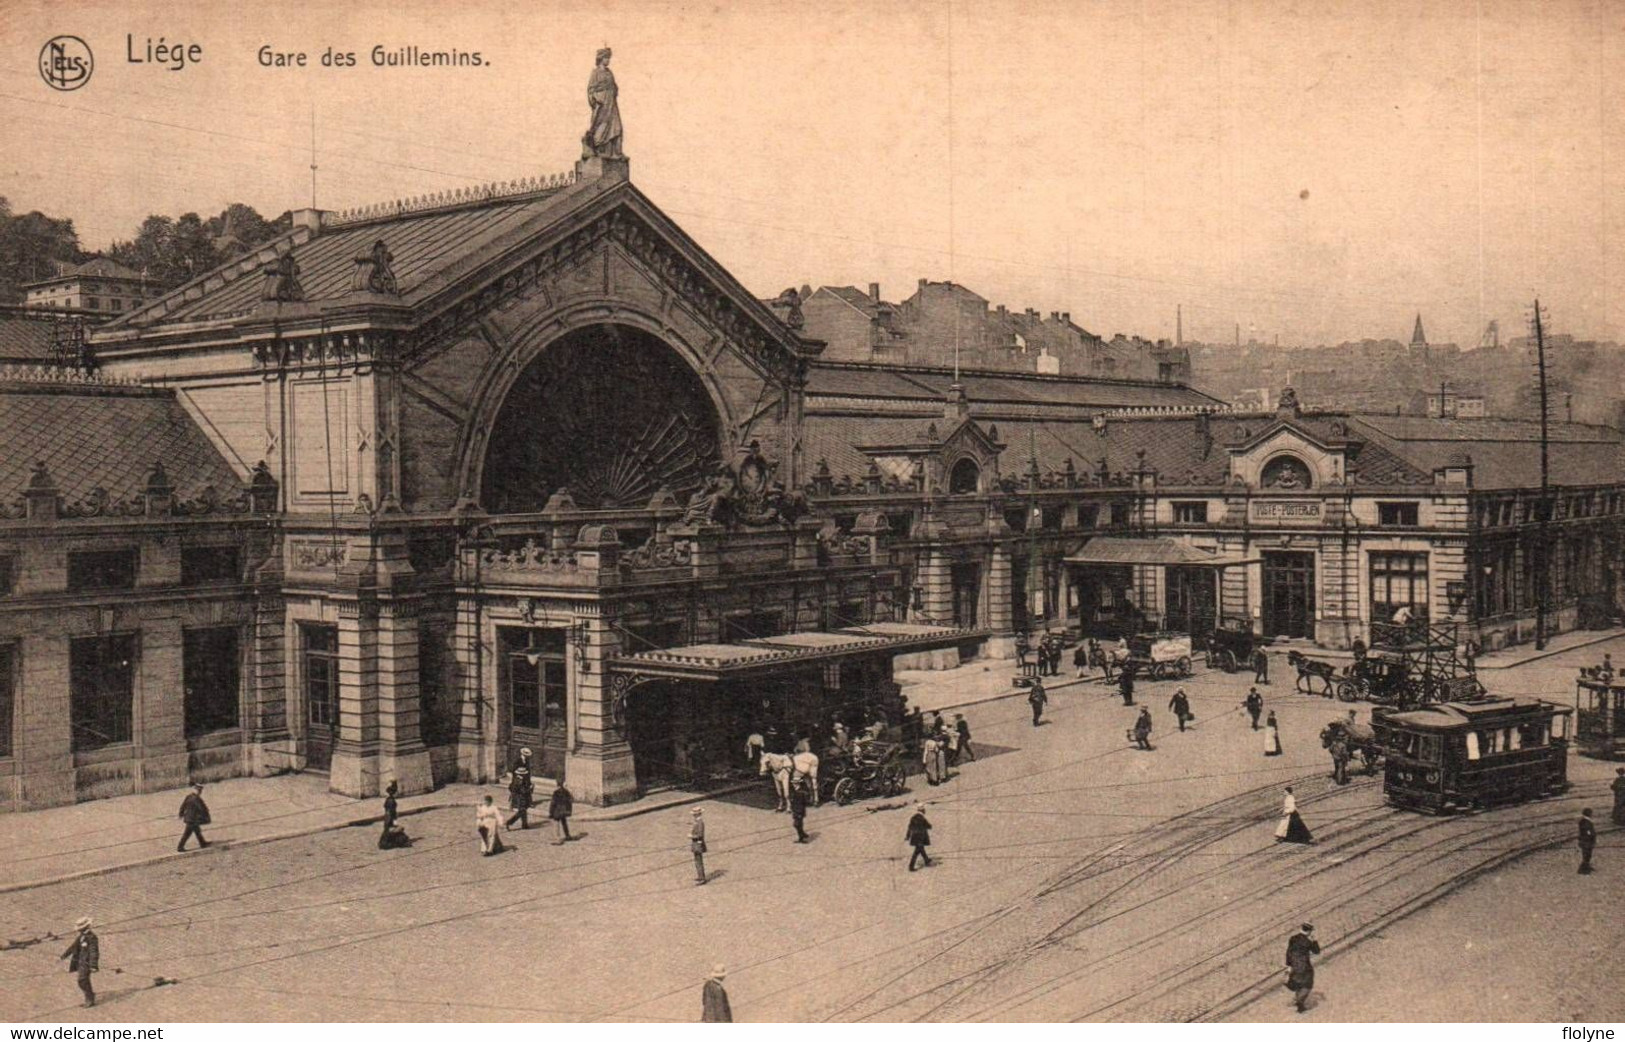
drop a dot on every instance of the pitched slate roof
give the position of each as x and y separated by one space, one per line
96 267
1504 453
25 339
892 383
102 436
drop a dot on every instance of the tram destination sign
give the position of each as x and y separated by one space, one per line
1286 510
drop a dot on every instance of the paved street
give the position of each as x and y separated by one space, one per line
1078 878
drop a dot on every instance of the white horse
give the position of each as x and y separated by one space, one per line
786 771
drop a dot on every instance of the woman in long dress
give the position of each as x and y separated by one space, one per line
928 752
1272 736
1291 828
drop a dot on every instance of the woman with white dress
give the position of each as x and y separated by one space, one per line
488 822
1291 828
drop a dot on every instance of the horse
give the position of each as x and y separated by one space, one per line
787 770
1309 670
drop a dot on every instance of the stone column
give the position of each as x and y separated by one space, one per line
267 744
936 582
44 749
161 758
997 591
598 765
401 753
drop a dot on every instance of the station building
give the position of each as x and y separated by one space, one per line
412 487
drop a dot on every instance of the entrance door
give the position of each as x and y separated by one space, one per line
967 582
1192 600
321 662
1289 594
533 680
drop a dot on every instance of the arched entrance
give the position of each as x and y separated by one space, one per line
611 413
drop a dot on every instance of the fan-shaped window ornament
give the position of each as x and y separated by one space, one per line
1286 472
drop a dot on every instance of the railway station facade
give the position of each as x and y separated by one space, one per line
413 487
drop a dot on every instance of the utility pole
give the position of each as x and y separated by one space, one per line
313 155
1543 506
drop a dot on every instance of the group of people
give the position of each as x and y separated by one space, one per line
943 747
1046 654
488 821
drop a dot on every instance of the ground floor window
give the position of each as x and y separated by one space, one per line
321 653
8 695
212 678
101 689
1497 582
1398 580
536 676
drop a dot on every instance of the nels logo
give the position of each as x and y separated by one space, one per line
65 62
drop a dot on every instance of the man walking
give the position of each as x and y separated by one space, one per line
521 788
1036 698
84 958
1339 748
696 846
1261 667
798 809
1142 729
1588 841
919 836
714 1008
196 815
965 750
1300 968
1080 658
1181 705
559 808
1255 705
1125 684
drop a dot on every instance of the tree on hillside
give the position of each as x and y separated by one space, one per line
33 246
174 250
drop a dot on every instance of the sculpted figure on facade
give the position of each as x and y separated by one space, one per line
603 136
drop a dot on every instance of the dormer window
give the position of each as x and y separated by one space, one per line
965 478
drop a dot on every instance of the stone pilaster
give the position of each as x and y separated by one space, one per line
268 744
354 770
598 765
996 591
474 680
160 719
936 583
44 742
401 753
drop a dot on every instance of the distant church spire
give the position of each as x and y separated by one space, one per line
1418 339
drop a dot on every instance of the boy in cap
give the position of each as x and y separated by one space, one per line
196 815
696 845
84 958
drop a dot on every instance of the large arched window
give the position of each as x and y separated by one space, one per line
1287 472
966 477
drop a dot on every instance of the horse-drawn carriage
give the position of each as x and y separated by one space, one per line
874 768
1361 740
1160 656
1231 645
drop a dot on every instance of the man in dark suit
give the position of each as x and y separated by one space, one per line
963 728
559 808
196 815
1125 684
919 836
1255 705
1037 698
714 1008
1300 969
84 958
798 810
1588 841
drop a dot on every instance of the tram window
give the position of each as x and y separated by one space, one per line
1472 745
1560 727
1490 742
1532 734
1427 749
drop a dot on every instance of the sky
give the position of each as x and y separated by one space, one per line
1316 171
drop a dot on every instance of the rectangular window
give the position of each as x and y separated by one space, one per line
1190 513
1119 513
321 657
8 574
101 689
1398 580
1397 514
536 677
211 676
102 569
8 696
93 303
208 564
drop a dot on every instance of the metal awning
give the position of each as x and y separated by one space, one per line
765 655
1160 550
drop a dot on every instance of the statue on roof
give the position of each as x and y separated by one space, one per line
603 136
373 272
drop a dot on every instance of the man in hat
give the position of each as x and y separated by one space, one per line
1261 666
1619 795
1142 729
714 1008
1588 841
696 845
1125 683
1181 705
1300 969
196 815
1037 698
84 958
919 836
559 808
961 726
1254 703
798 809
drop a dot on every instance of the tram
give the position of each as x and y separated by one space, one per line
1600 727
1455 756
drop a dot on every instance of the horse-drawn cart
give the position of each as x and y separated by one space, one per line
876 769
1361 740
1160 656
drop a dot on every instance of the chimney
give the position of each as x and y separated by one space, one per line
1032 313
874 292
309 217
1001 311
1055 316
1066 317
922 285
